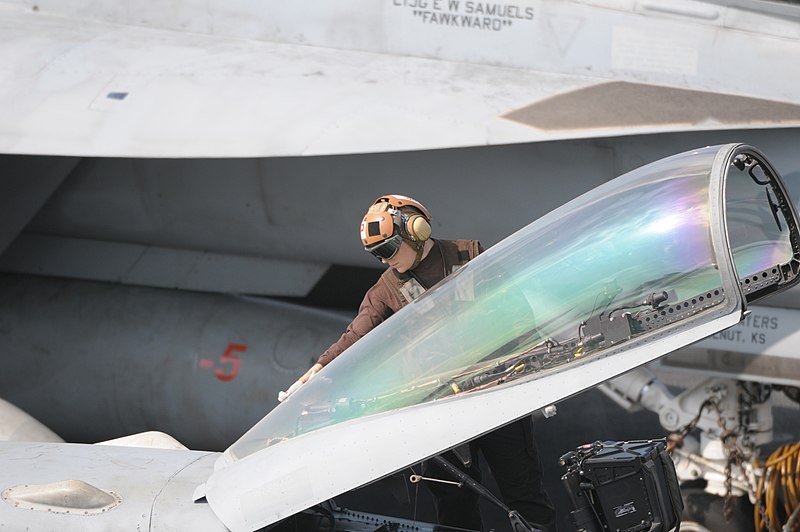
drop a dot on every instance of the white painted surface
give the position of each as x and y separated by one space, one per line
255 79
17 425
155 486
765 331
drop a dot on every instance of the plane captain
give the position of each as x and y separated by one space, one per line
396 229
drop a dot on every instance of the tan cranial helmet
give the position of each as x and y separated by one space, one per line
393 213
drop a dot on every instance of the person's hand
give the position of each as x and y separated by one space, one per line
308 374
282 396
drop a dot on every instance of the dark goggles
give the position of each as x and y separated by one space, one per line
387 249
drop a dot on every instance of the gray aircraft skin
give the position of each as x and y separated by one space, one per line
160 335
151 357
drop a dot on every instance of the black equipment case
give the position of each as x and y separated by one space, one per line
623 487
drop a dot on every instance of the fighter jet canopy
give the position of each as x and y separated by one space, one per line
642 265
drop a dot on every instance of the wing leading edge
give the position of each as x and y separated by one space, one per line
652 261
264 79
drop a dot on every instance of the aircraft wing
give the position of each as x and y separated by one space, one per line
652 261
270 79
102 487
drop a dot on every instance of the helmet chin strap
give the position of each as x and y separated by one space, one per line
420 247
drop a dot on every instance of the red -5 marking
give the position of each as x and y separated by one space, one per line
228 358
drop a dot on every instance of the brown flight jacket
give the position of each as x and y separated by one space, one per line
393 291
